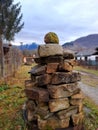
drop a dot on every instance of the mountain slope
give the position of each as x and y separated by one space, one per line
86 42
32 46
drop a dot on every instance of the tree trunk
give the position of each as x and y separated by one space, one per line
2 57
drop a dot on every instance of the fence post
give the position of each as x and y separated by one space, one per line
2 57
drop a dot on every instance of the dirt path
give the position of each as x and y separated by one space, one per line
89 91
91 75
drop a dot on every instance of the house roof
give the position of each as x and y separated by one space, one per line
87 52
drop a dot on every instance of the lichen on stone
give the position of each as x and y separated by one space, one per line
51 37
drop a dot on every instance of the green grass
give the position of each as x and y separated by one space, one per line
88 79
12 98
3 87
91 71
91 119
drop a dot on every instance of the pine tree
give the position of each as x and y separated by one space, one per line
10 23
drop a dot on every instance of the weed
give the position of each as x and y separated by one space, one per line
4 87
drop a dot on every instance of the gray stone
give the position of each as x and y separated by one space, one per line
52 67
50 50
72 62
39 94
68 54
68 112
38 70
63 90
76 101
78 96
77 118
65 66
58 104
53 123
63 77
30 84
43 79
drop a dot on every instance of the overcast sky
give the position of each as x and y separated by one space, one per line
69 19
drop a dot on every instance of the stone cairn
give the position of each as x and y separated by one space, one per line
54 97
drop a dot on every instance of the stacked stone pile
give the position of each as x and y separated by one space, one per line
54 98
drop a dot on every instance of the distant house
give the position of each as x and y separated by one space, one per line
88 57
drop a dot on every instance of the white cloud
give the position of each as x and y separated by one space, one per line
70 19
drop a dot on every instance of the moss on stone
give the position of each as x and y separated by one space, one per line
51 37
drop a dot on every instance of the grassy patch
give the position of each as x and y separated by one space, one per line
12 98
4 87
90 78
91 71
91 117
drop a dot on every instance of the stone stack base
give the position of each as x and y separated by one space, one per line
54 97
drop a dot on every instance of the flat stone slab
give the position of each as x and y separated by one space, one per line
58 104
68 112
52 67
49 59
63 77
53 122
43 79
65 66
30 84
63 90
38 70
50 50
39 94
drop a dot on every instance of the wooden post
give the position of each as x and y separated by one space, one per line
2 57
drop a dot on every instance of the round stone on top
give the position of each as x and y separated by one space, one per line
51 38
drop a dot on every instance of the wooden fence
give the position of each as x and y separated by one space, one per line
91 64
12 61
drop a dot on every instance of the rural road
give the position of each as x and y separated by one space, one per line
89 91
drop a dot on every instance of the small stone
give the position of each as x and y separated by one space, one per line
72 62
39 94
64 123
58 104
52 67
68 112
68 55
76 101
43 113
78 96
77 118
31 109
29 84
43 79
53 123
65 66
42 124
33 78
38 70
80 107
